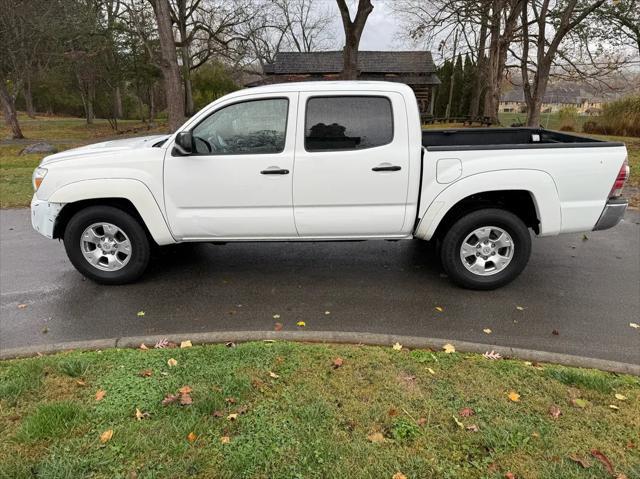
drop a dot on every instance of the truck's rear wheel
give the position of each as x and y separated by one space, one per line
486 249
107 245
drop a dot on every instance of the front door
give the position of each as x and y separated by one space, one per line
237 183
352 165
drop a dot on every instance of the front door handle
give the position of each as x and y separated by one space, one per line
386 167
274 170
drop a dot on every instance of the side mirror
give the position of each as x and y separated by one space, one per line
184 143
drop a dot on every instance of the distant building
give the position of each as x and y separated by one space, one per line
555 99
415 69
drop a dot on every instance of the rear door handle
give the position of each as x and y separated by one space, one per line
386 167
274 170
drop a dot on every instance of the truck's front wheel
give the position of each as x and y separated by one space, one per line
486 249
107 245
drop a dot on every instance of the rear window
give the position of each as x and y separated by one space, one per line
347 123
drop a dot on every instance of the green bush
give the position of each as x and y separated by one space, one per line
620 117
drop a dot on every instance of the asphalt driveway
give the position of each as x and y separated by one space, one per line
579 295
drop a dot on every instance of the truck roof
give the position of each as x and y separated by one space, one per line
328 86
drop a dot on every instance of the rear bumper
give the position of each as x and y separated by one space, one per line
43 216
612 214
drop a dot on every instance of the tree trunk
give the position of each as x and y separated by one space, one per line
28 98
189 107
152 104
117 103
169 64
452 77
479 80
9 111
352 34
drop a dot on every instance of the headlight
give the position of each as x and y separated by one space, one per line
38 175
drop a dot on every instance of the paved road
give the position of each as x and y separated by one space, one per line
586 290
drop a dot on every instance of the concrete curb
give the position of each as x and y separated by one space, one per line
414 342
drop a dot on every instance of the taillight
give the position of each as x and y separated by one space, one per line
622 177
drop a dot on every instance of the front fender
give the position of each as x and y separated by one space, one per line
538 183
133 190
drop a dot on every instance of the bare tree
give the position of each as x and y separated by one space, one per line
352 33
168 63
541 42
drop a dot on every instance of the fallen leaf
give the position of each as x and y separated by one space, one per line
22 306
466 412
100 394
554 411
520 308
449 348
337 362
509 475
147 373
140 314
399 475
141 415
273 375
143 346
217 414
169 398
604 460
191 436
185 344
242 409
277 327
580 403
555 332
439 309
473 428
620 397
397 347
232 416
634 325
185 400
301 324
376 437
327 313
458 422
580 460
514 396
106 436
230 344
421 421
614 407
492 355
230 400
172 362
162 343
45 330
185 390
431 371
487 331
584 237
225 439
276 316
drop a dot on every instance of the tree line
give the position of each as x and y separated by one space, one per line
115 57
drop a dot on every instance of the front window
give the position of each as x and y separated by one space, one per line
246 128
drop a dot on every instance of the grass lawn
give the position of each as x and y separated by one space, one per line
284 410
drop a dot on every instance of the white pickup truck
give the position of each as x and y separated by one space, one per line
327 161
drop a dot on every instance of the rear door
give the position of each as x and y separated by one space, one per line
352 164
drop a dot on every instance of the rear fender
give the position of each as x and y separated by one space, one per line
538 183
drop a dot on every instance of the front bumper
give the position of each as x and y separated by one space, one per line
43 216
612 214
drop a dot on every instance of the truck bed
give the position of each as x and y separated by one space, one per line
505 138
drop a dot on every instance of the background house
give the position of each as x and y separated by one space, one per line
556 98
414 68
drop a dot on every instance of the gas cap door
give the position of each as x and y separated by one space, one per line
448 170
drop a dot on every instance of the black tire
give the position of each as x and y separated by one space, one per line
453 239
140 247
